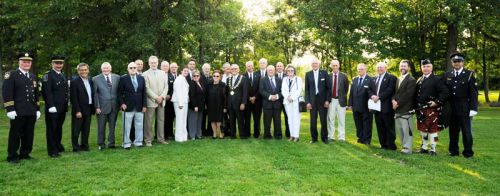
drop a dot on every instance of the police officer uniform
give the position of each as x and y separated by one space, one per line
429 119
463 99
55 93
20 96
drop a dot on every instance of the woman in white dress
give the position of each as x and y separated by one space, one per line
291 88
180 98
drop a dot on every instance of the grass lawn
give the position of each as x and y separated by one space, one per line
256 166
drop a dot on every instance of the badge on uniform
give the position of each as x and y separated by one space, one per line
7 75
45 77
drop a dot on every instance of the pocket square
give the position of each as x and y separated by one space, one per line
322 79
366 86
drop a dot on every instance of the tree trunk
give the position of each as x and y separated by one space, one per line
452 36
485 74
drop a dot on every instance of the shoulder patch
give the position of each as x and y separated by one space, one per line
46 77
7 76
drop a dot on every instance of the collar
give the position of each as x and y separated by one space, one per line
24 72
107 75
363 76
58 72
404 76
236 76
84 79
459 71
426 76
382 76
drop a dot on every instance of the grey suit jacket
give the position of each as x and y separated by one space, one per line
106 98
342 88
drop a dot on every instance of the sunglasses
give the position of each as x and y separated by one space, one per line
196 75
132 68
216 76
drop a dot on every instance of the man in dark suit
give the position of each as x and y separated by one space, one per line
358 102
169 106
20 99
237 99
338 103
317 93
270 89
132 100
463 99
254 104
55 93
82 108
402 103
206 79
385 85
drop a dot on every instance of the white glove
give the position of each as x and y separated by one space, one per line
52 110
38 114
12 115
472 113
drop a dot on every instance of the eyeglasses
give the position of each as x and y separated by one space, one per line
132 68
216 76
196 75
290 70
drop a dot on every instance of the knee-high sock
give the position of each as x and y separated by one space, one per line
433 138
425 138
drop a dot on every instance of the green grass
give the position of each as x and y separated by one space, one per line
257 167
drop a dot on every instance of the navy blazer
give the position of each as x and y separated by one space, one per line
266 90
134 100
80 98
359 94
324 92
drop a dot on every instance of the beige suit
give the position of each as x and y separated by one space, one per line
156 86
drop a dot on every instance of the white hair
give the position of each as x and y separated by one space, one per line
381 64
105 64
130 64
205 65
151 58
263 60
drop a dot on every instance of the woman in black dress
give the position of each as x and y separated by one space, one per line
216 104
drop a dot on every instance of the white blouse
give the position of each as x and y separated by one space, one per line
181 91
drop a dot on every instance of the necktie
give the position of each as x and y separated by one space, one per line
108 81
334 93
134 82
273 85
360 82
377 83
456 73
290 85
27 75
251 79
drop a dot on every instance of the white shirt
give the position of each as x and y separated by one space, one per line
402 78
234 80
24 72
379 81
316 78
262 72
106 78
87 87
224 78
459 71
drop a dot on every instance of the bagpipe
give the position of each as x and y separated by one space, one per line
424 111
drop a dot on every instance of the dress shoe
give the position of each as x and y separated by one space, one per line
291 139
100 148
296 139
127 148
13 161
423 151
326 142
278 138
163 142
26 157
57 155
61 149
454 154
149 144
468 156
112 147
313 141
433 153
342 140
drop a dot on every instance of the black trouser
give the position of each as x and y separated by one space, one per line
54 123
206 128
461 123
254 110
80 127
317 108
363 123
275 116
385 130
236 116
225 125
169 120
21 134
287 129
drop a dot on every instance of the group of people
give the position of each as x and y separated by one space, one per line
224 102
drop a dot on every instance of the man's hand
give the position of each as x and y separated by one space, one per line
124 107
98 111
52 110
159 99
327 104
78 115
374 98
167 97
196 109
38 114
433 104
394 104
225 110
12 115
472 113
309 106
252 99
144 109
242 107
290 99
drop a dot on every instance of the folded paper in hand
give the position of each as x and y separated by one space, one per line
374 105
